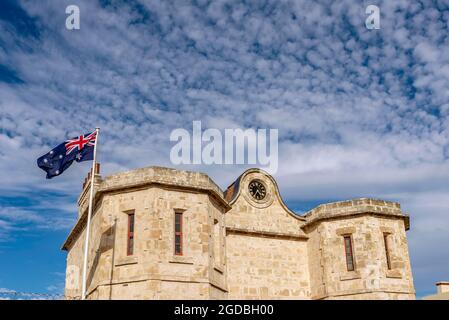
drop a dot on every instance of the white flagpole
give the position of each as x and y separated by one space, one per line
89 214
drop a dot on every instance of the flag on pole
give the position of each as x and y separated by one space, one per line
61 157
56 161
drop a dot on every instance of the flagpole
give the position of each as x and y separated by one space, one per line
89 214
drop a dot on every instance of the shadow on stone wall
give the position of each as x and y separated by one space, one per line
107 241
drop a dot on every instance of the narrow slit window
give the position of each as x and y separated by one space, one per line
387 250
130 243
178 233
217 243
350 264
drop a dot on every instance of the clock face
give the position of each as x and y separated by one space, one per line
257 190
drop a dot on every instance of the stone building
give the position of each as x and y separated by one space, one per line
160 233
442 292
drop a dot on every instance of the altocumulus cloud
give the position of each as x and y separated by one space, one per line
360 112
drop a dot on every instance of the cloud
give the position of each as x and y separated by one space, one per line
8 294
360 112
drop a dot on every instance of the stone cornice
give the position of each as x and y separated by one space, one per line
171 278
360 291
165 176
266 234
362 206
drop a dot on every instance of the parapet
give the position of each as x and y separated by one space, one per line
348 208
162 176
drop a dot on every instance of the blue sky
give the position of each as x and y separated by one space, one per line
360 113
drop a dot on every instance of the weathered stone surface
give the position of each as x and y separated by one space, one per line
234 246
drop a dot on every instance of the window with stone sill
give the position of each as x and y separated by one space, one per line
130 236
178 234
349 253
387 237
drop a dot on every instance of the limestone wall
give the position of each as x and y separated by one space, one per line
75 258
246 248
266 247
153 271
267 268
371 279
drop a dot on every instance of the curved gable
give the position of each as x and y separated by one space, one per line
267 215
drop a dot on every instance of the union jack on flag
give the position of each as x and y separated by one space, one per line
61 157
80 142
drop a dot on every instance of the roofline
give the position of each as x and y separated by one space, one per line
100 192
404 217
214 191
331 211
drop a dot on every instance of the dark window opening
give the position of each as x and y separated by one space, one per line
178 233
130 244
387 251
350 264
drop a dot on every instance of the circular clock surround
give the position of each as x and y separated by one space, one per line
257 190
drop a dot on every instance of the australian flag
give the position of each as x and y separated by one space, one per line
61 157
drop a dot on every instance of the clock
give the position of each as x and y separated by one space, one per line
257 190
